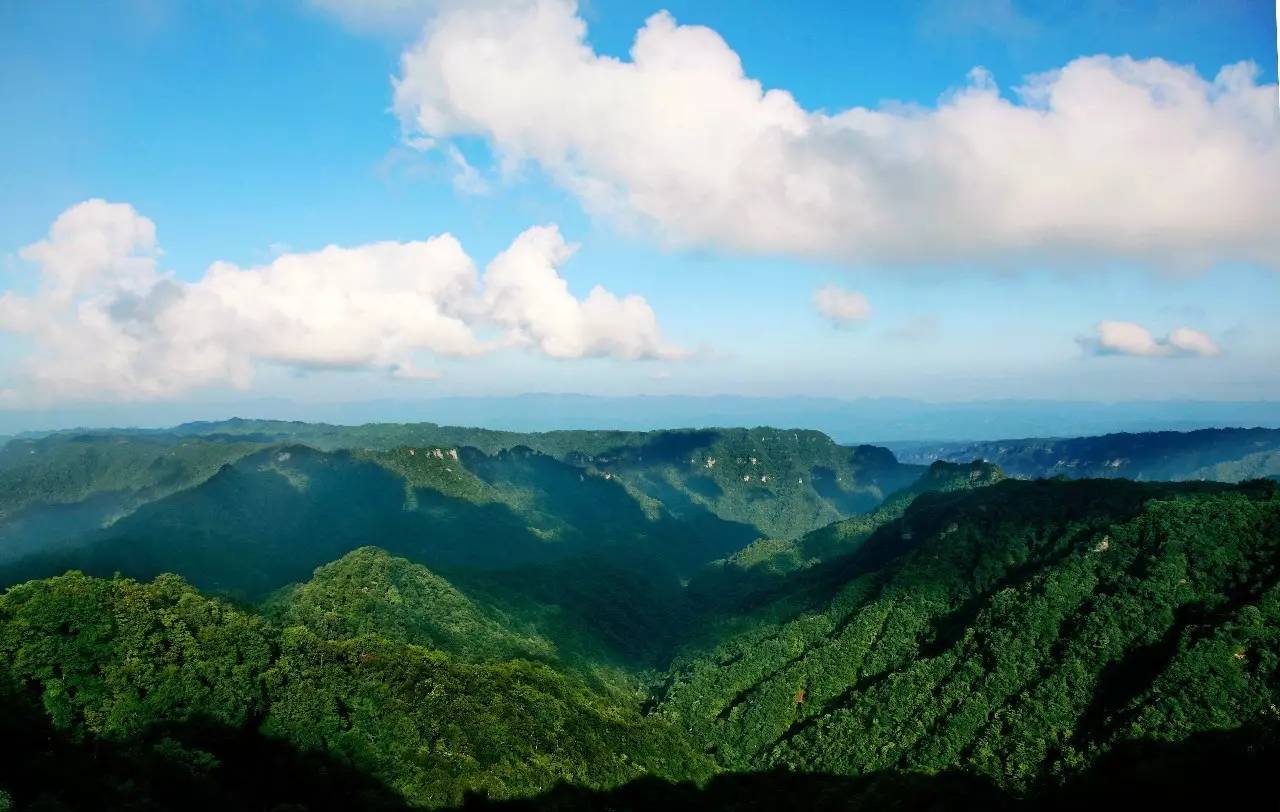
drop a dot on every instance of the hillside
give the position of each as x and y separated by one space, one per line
56 487
780 481
612 610
178 694
368 591
272 517
979 641
769 572
1223 455
1017 633
606 537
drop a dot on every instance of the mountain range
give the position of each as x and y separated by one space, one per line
258 614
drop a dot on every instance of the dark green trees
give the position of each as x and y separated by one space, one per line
354 674
111 658
1017 632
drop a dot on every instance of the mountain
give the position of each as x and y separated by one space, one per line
179 692
581 619
1018 633
237 486
769 569
61 469
1224 455
775 479
57 487
607 528
780 482
369 591
975 640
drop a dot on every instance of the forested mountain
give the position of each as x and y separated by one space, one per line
178 687
624 623
56 487
1011 639
770 570
1222 455
779 482
606 528
369 591
1016 632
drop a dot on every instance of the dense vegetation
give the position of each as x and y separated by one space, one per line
368 591
151 666
603 538
758 574
56 488
777 483
572 629
1015 632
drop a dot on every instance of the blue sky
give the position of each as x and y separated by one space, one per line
247 131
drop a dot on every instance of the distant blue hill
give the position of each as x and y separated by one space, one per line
878 420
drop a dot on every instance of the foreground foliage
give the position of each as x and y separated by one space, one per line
1017 632
153 667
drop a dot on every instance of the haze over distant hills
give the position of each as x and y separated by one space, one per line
1222 455
883 420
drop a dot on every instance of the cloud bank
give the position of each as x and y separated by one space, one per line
1127 338
104 322
1107 158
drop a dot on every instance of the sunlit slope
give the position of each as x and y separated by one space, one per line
781 481
1017 632
196 505
369 591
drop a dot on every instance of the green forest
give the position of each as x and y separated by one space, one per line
294 617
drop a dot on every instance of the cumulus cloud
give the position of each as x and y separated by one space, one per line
524 292
93 241
1127 338
1186 341
1105 158
841 307
105 322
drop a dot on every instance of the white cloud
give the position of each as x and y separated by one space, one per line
1192 342
93 241
1106 158
1127 338
524 291
105 323
840 306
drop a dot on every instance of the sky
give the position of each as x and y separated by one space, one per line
334 200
